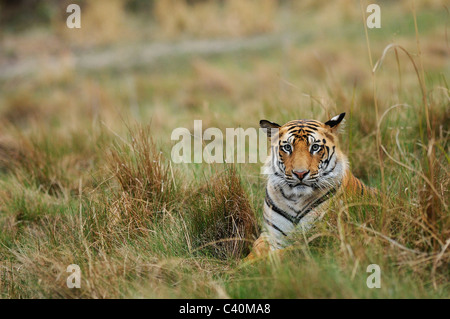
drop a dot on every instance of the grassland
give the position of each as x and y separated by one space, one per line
85 170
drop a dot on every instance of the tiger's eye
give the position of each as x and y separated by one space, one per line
315 147
288 148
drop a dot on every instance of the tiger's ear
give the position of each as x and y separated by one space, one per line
268 126
333 124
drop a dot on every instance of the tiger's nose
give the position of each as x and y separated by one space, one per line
300 174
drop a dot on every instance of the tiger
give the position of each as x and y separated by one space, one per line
305 168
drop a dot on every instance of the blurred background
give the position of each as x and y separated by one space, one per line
229 63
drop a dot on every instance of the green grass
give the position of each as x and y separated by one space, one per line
86 176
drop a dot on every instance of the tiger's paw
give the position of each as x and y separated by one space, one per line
260 249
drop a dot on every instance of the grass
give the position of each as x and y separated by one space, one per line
86 176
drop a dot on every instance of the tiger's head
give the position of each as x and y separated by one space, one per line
305 153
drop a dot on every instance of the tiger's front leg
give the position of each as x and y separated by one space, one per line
261 248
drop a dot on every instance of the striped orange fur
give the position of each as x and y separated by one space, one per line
305 169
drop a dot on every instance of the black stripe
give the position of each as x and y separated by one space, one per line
361 185
313 122
293 128
277 210
274 226
328 172
314 204
280 189
328 160
278 175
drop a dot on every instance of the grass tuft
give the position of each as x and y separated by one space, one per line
221 217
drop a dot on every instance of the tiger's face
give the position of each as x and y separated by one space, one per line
305 153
